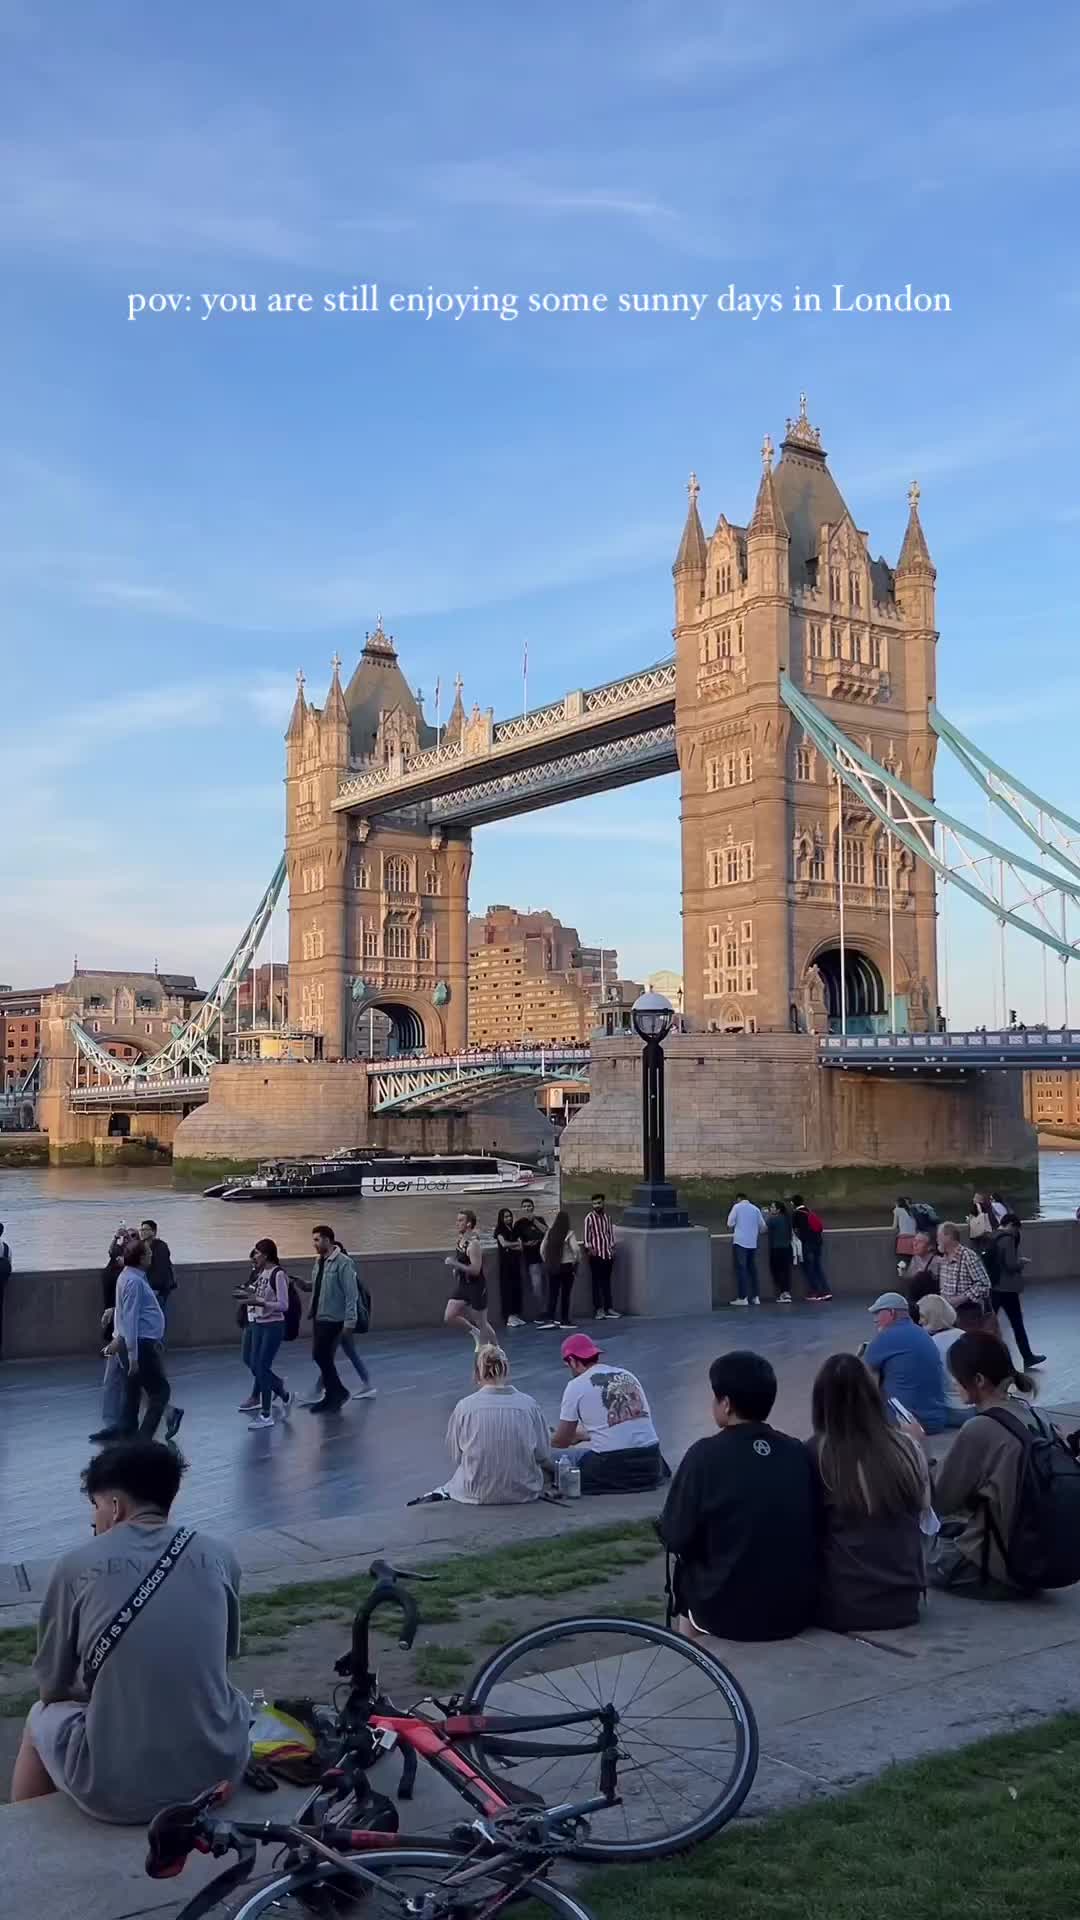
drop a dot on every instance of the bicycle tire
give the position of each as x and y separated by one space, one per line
275 1900
497 1668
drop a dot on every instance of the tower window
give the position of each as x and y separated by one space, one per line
815 640
817 862
740 645
396 875
361 876
397 940
712 775
746 765
855 589
881 867
854 862
432 882
424 943
371 941
834 583
724 578
875 649
803 763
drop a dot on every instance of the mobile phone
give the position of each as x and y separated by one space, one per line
899 1408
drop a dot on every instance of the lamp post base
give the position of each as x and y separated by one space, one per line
663 1274
656 1204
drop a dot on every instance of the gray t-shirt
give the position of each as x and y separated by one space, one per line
164 1721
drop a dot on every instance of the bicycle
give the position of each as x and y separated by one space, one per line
626 1793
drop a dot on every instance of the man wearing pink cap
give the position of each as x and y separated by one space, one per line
605 1427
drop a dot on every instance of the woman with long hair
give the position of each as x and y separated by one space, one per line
509 1245
560 1253
781 1252
268 1295
874 1489
976 1485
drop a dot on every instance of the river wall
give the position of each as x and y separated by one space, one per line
49 1315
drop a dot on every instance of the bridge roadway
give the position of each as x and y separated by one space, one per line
311 1476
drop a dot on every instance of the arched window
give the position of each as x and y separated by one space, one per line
371 941
432 881
817 861
854 862
424 943
361 876
746 765
804 766
396 875
881 866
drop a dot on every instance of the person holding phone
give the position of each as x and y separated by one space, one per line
907 1366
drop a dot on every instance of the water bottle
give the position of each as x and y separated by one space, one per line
256 1708
562 1477
573 1484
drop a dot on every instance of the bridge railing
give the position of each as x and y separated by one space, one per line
479 1057
1063 1041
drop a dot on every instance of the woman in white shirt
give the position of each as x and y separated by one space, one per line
498 1440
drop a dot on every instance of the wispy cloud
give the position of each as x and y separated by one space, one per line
490 184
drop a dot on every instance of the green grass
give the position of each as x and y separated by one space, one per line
438 1666
540 1568
985 1832
18 1646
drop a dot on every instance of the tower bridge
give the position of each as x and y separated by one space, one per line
798 708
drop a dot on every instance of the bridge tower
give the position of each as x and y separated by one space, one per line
378 910
766 838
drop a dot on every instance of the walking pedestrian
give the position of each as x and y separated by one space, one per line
115 1382
5 1276
333 1312
781 1256
268 1298
600 1247
810 1228
245 1320
467 1305
530 1228
140 1335
348 1338
561 1255
1005 1265
160 1275
904 1228
509 1268
747 1223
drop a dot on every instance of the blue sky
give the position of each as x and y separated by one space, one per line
191 509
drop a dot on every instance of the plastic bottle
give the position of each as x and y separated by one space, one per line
258 1701
562 1476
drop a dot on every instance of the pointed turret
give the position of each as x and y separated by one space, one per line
299 713
691 555
455 726
915 554
335 708
767 518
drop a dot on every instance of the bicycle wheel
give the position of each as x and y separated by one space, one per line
688 1743
405 1878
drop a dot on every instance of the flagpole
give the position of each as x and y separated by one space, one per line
438 712
525 678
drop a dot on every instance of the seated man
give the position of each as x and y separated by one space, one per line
136 1707
741 1516
907 1366
605 1427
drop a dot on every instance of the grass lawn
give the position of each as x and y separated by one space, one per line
987 1832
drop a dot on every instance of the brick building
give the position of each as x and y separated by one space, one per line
531 980
20 1034
1052 1099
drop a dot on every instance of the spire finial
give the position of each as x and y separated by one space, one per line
692 488
300 678
335 663
767 454
800 433
914 494
802 406
458 683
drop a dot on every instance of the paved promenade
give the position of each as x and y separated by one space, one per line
328 1487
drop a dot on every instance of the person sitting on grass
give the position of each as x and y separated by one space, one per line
976 1484
136 1708
605 1427
874 1489
498 1440
741 1516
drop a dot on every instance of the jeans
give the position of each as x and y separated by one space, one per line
560 1287
147 1377
348 1348
600 1274
812 1267
510 1283
114 1394
746 1272
324 1342
266 1339
780 1269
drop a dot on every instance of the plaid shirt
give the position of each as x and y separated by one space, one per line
963 1277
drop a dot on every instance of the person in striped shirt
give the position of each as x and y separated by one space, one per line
600 1247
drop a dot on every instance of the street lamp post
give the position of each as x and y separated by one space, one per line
655 1202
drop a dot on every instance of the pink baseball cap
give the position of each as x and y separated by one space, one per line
580 1347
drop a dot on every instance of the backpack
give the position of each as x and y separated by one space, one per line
363 1306
1043 1549
294 1311
924 1216
5 1261
814 1221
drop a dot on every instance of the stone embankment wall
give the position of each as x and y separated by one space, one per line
51 1314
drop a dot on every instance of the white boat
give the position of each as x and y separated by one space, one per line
373 1175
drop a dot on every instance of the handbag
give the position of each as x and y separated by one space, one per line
905 1245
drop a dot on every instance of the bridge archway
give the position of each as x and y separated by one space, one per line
415 1025
861 1001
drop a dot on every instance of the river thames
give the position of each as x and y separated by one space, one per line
57 1217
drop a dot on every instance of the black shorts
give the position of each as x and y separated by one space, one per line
473 1293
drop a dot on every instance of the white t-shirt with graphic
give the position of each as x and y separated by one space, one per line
609 1404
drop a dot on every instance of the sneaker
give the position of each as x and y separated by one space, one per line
260 1423
250 1405
315 1400
600 1314
366 1393
287 1405
106 1434
613 1315
329 1406
826 1295
740 1302
755 1300
172 1422
515 1320
565 1326
1035 1360
547 1326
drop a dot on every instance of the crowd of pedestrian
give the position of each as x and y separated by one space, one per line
794 1234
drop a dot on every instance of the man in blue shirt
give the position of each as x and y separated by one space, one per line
907 1364
139 1332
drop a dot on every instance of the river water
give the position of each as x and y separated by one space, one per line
57 1217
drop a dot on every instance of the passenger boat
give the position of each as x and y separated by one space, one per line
372 1174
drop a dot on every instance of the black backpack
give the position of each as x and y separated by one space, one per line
5 1261
294 1311
1043 1549
924 1216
